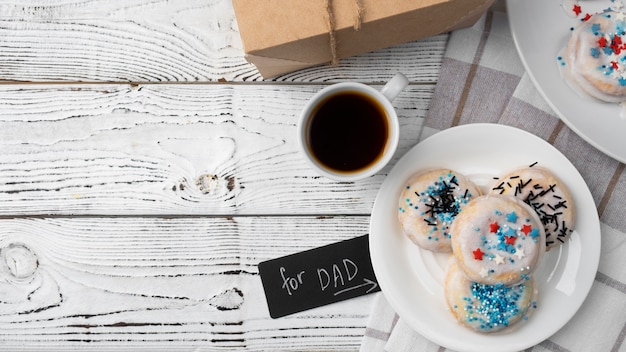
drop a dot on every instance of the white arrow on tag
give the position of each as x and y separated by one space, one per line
366 282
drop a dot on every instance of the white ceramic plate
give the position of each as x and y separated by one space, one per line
411 278
540 30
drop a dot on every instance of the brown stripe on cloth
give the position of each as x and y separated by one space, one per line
473 68
528 117
605 177
610 188
468 92
555 132
377 334
611 282
382 335
620 340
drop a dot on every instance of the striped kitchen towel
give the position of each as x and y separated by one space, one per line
483 80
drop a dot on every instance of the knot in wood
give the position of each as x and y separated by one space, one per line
19 261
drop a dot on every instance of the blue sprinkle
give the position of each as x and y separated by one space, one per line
492 306
595 28
511 232
511 217
534 233
595 52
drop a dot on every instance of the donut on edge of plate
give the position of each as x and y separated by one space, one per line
594 60
487 308
547 195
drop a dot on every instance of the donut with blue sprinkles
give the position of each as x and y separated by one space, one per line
429 203
487 308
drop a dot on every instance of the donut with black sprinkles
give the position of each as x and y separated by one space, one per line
546 194
429 203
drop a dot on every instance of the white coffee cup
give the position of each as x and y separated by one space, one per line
350 131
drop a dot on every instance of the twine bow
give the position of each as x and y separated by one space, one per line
331 27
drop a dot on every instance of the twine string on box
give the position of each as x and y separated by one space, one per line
331 27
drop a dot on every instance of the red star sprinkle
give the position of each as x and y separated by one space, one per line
587 17
616 49
478 254
509 240
526 229
494 227
577 10
614 64
602 42
616 43
617 40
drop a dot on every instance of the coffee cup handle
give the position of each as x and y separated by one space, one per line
395 86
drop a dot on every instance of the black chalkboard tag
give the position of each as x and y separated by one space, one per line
318 277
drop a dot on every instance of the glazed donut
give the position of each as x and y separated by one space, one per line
497 239
547 195
429 203
487 308
593 61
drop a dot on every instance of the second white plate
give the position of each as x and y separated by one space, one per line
541 30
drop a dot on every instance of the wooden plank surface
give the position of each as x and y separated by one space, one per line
163 283
164 41
146 169
114 149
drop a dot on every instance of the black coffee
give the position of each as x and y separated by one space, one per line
348 131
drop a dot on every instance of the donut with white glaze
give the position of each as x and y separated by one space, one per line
497 239
594 60
487 308
429 203
547 195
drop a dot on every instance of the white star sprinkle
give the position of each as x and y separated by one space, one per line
499 259
484 272
519 253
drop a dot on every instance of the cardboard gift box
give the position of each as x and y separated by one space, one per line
281 36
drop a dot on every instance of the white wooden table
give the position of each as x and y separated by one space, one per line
146 169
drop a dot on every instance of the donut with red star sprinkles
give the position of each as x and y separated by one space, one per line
547 195
594 60
497 239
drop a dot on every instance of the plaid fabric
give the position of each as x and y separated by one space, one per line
483 80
